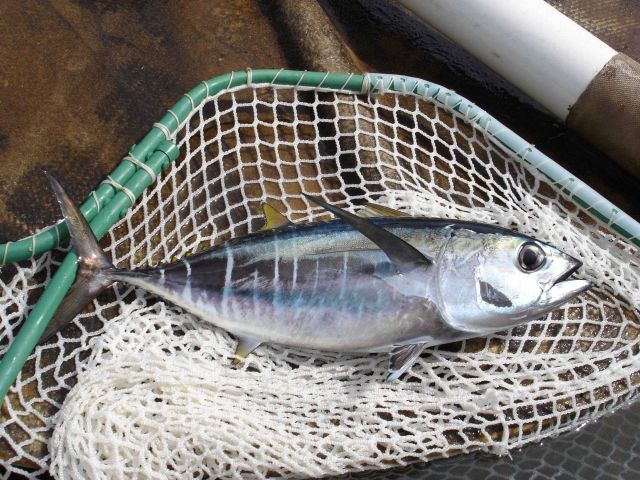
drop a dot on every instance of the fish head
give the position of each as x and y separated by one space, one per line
491 281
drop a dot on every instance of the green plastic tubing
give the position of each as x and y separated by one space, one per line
158 152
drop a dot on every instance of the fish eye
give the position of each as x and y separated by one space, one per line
530 257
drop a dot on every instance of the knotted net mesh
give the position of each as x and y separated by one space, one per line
135 387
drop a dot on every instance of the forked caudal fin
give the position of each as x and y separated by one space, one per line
94 268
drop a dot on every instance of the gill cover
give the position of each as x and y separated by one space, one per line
494 280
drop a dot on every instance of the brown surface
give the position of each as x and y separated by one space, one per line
607 112
80 82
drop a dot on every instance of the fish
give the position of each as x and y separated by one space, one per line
380 281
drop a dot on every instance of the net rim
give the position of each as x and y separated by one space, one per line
500 135
111 200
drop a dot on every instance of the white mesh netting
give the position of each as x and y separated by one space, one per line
153 392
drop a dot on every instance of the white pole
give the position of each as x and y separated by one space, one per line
528 42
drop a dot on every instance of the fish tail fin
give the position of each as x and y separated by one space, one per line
95 270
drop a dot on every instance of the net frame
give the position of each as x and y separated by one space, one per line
156 151
373 83
159 156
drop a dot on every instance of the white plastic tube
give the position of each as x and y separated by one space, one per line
528 42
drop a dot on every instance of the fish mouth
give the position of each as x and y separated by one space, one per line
576 264
564 288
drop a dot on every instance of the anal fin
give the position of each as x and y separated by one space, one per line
246 345
402 358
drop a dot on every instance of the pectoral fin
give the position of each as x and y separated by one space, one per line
372 210
246 345
273 218
404 256
402 358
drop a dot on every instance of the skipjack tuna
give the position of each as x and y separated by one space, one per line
386 282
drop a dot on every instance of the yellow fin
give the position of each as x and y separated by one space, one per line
273 218
370 210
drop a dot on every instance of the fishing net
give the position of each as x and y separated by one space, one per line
135 387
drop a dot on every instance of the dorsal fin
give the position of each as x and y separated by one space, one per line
273 218
404 256
370 210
